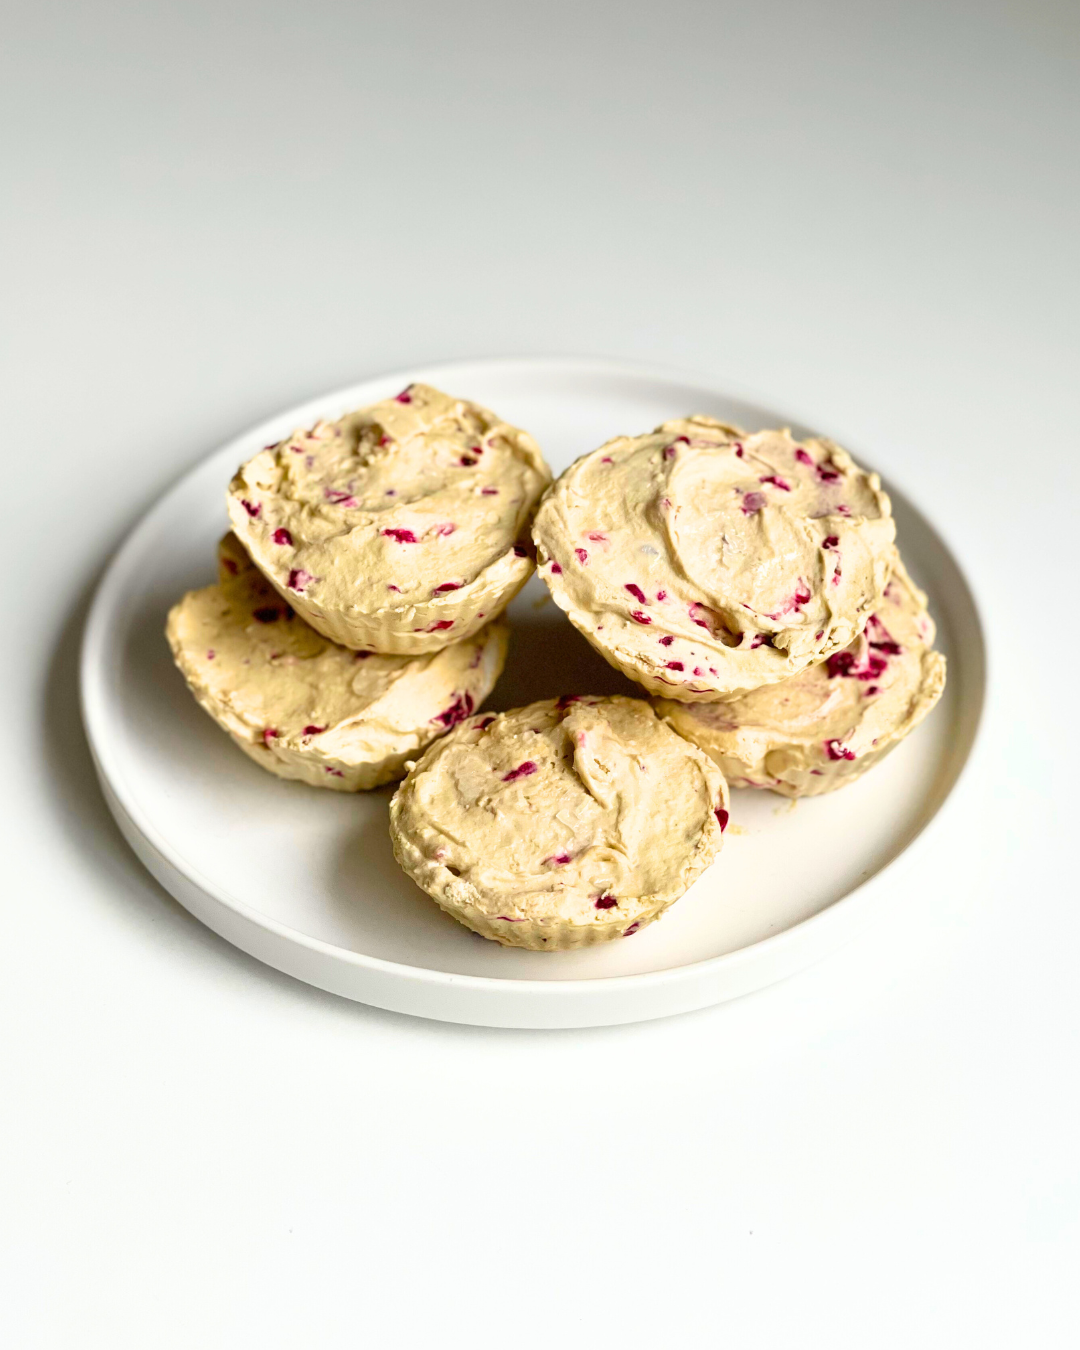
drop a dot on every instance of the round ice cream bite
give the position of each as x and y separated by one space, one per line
302 706
560 824
826 726
400 528
704 561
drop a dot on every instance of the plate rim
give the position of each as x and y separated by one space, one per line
846 911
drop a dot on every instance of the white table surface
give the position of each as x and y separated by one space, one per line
868 213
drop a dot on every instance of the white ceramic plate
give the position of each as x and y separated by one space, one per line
306 881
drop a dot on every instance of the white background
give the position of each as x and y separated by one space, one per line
868 212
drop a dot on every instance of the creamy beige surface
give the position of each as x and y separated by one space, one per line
400 528
704 561
302 706
826 726
560 824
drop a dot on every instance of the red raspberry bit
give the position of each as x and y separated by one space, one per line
467 461
752 502
776 482
661 596
739 450
840 664
448 528
507 919
391 587
597 537
313 730
520 552
606 459
639 617
483 726
636 592
522 771
211 654
401 536
269 734
336 772
461 708
882 639
559 859
828 474
404 397
605 902
698 671
761 640
436 627
391 492
722 817
632 929
801 596
230 566
565 700
447 586
383 440
830 542
556 570
674 665
283 537
819 635
267 614
298 579
871 690
802 456
489 492
253 511
340 498
836 750
843 510
581 556
666 641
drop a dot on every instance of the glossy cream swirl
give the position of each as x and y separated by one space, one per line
559 824
399 528
704 561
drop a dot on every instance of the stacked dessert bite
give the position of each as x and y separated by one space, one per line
749 583
355 617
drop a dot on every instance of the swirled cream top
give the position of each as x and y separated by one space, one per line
559 824
302 706
399 528
704 561
826 726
